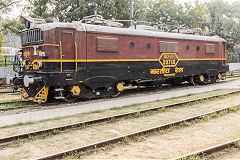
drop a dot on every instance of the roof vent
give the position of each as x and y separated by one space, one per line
98 20
30 22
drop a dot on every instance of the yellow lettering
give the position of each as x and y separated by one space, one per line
160 71
178 70
169 75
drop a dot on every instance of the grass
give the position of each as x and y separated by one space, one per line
140 138
12 100
128 141
237 144
130 107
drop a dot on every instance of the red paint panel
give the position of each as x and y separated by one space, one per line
68 44
140 52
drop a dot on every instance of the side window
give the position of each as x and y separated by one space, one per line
198 48
131 45
168 46
147 46
210 48
187 47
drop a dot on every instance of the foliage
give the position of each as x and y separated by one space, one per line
1 42
40 9
194 16
5 5
224 21
171 13
11 25
165 11
72 10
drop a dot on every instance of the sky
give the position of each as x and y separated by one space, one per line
17 10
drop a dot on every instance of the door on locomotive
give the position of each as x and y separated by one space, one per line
68 49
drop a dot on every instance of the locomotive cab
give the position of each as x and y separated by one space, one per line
48 62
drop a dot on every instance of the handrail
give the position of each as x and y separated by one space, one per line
60 44
40 45
76 56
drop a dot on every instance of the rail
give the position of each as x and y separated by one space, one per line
115 140
101 120
208 150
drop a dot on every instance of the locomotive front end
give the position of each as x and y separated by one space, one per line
31 78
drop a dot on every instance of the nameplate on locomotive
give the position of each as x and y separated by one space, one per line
169 63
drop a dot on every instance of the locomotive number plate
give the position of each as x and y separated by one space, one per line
169 63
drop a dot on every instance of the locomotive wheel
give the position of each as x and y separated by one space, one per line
70 99
69 96
194 80
219 77
116 94
213 79
117 89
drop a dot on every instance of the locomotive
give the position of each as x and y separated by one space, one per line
66 61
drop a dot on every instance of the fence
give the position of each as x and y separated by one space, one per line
234 66
5 71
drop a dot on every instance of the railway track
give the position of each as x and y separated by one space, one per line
115 140
9 139
209 150
5 92
21 106
125 93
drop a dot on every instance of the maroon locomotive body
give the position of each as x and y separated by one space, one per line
77 60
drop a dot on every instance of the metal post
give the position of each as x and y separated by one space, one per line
131 12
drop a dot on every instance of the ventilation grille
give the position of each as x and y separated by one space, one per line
32 36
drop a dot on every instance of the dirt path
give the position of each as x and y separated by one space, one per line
112 103
75 138
228 154
7 131
177 142
9 97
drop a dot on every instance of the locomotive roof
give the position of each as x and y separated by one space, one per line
105 29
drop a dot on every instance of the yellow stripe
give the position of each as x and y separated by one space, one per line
202 59
119 60
76 56
56 45
61 54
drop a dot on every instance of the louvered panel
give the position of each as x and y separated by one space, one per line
175 47
163 46
169 47
107 44
210 48
31 37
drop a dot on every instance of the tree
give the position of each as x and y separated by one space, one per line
194 16
176 15
1 42
40 9
71 10
5 5
11 26
164 11
224 21
75 10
